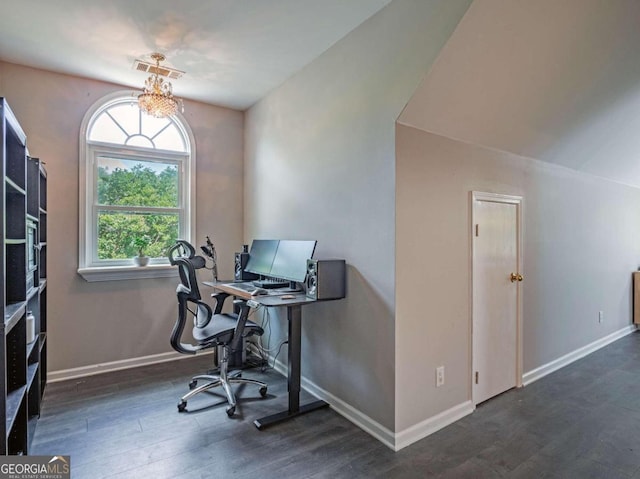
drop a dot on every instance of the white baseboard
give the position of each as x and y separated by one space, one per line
394 441
435 423
93 369
364 422
579 353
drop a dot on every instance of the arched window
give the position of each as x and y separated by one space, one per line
136 189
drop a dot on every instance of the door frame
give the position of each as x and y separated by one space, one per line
518 201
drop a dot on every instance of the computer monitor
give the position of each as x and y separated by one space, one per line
290 261
261 256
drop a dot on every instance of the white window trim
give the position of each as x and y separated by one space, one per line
103 272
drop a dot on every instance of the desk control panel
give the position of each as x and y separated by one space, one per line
253 304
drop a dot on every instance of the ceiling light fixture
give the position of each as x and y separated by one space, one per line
157 97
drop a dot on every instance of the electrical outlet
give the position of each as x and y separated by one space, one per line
600 316
439 376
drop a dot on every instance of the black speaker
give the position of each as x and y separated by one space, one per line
240 263
326 278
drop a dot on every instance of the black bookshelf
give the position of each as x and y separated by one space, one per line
23 293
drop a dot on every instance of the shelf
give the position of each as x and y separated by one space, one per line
32 218
15 205
12 314
43 212
42 230
15 189
15 241
32 292
14 400
32 345
42 340
43 284
32 421
15 263
32 372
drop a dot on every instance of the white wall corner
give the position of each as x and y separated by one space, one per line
433 424
394 441
364 422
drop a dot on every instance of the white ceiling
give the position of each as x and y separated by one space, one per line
233 51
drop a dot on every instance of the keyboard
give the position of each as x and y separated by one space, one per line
248 287
270 283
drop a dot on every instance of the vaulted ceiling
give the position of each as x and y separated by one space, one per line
233 51
555 81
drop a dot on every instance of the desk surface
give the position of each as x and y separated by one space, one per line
272 299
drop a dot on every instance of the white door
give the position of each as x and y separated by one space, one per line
496 283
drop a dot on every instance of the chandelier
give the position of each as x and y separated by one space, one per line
157 97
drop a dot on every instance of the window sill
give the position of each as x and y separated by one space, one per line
119 273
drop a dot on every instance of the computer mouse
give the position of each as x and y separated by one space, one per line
259 292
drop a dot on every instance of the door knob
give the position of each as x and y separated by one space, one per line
515 277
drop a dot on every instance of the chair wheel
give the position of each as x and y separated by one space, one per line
193 384
231 411
182 406
263 391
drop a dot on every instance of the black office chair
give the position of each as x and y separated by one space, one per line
211 328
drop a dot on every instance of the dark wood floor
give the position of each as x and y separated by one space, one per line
580 422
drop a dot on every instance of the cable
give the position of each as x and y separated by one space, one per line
286 341
264 351
276 348
259 346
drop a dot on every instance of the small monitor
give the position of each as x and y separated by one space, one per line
261 256
290 261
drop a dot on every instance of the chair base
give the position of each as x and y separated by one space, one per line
225 380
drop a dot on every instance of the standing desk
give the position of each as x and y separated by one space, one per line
294 320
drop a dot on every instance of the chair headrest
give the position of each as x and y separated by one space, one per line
198 262
182 249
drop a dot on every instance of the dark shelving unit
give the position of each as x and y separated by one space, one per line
23 293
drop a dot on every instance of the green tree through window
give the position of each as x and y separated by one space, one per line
139 185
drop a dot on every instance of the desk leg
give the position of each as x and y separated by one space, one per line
294 317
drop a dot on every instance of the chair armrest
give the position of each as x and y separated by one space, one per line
243 314
220 298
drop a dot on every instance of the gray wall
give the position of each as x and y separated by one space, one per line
319 163
581 243
93 323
